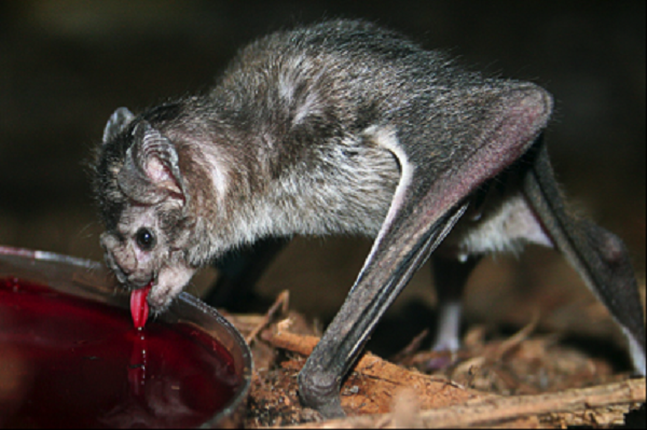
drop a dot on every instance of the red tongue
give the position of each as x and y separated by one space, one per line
139 306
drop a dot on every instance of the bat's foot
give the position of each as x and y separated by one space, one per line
321 393
449 347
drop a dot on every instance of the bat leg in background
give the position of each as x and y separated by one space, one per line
239 270
599 256
450 276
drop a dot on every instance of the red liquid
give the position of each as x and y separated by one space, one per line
70 362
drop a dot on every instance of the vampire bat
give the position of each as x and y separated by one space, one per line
344 127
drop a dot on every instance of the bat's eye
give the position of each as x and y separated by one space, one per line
145 239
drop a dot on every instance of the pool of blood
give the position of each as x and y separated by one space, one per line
71 362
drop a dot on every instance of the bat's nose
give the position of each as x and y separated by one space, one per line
132 277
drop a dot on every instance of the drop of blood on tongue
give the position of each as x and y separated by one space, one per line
139 306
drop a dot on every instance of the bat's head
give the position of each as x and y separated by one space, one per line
143 201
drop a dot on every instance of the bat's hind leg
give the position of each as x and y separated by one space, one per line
498 220
450 276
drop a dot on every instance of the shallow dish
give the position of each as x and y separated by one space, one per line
89 286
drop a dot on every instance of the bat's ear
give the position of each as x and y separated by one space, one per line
118 121
151 169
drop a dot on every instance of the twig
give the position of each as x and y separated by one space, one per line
282 300
516 338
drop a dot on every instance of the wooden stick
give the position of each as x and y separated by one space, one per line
282 300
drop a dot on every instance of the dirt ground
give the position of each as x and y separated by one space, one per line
529 379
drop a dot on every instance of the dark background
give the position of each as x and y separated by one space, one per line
66 65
